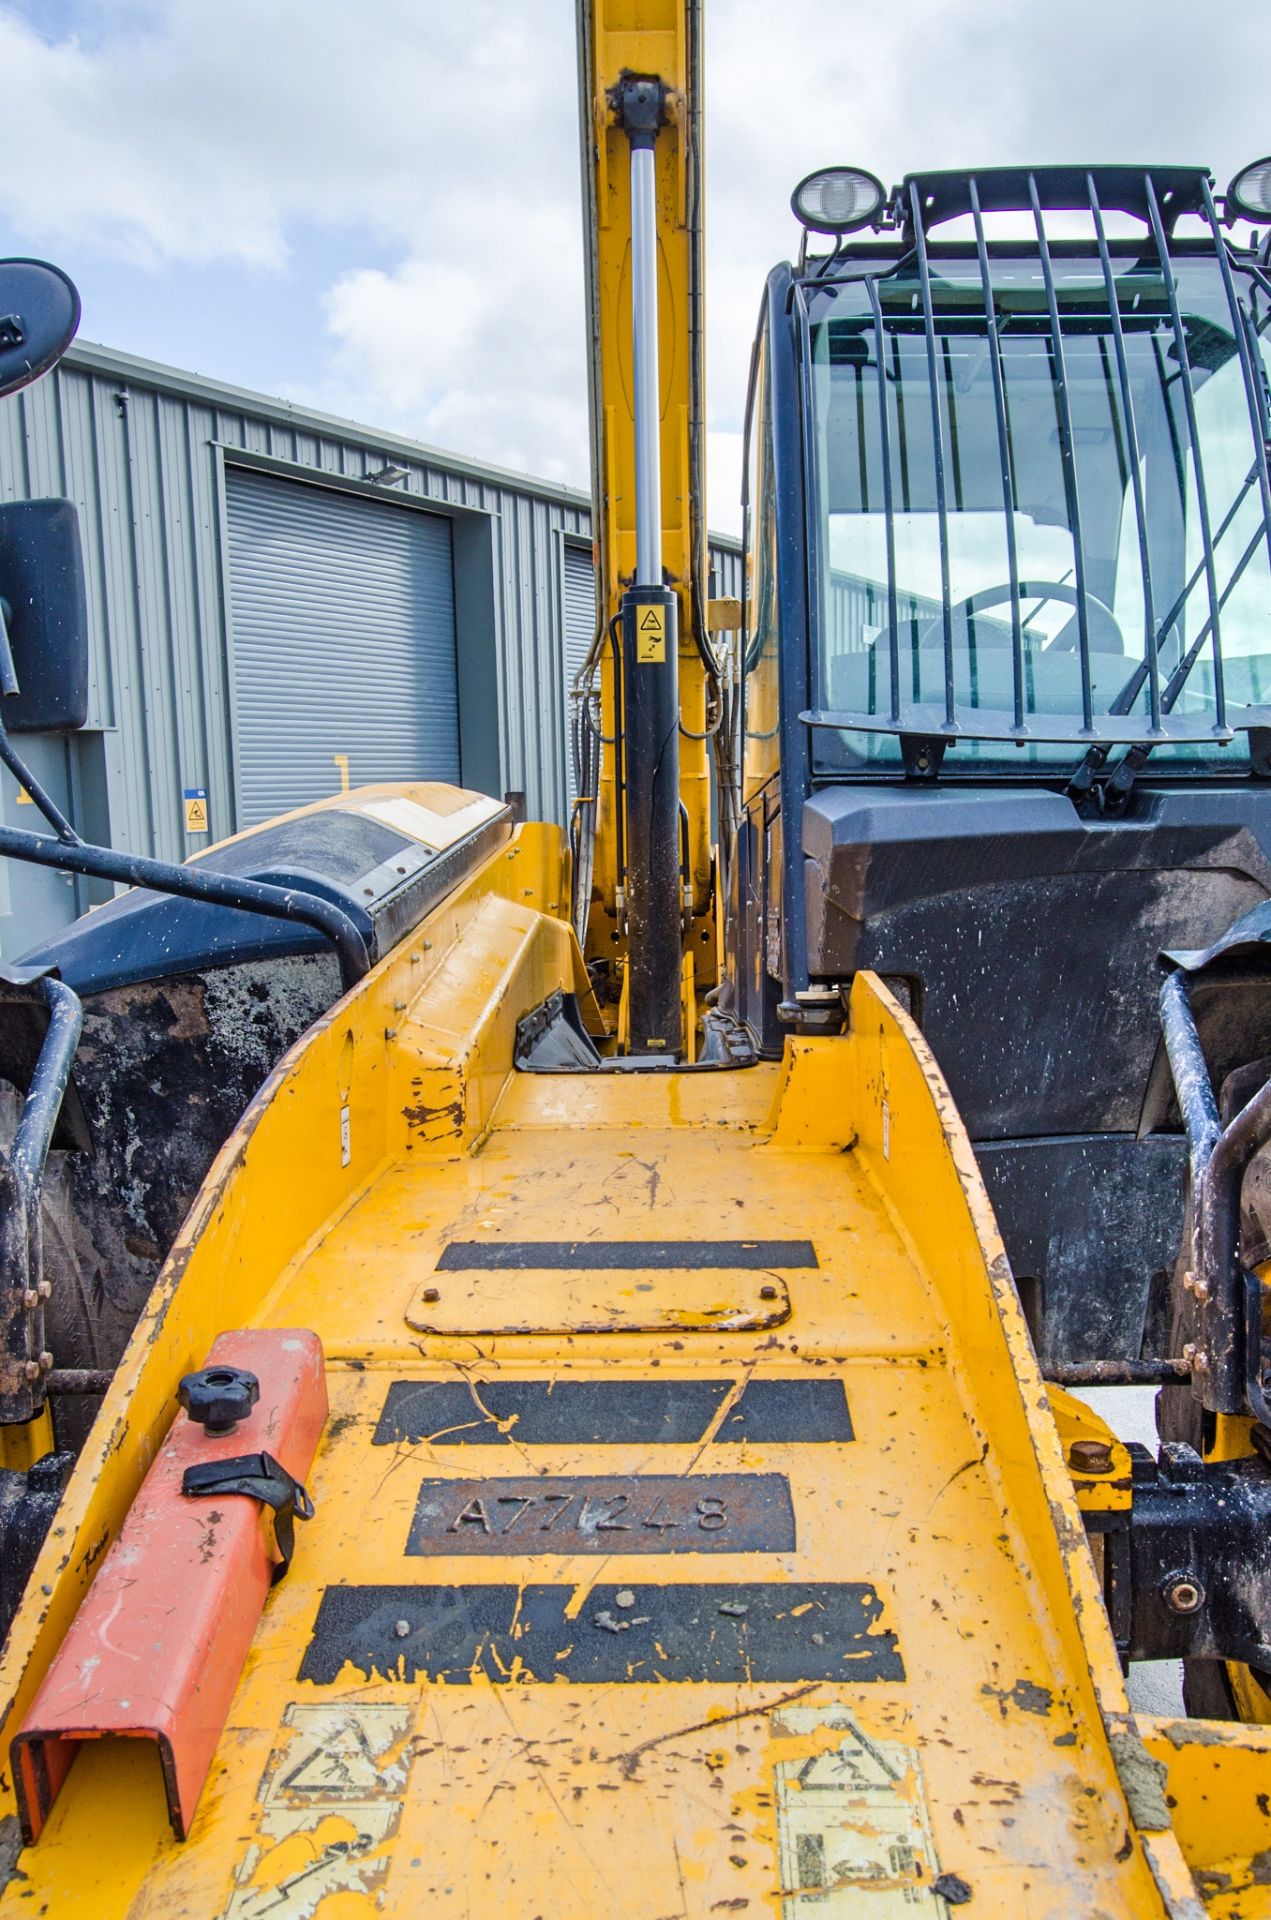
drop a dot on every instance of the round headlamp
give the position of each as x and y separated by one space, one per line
838 199
1250 191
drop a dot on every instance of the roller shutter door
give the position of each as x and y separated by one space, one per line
580 626
342 613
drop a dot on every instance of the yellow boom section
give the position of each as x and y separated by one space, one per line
655 38
692 1534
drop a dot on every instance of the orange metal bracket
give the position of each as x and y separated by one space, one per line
156 1649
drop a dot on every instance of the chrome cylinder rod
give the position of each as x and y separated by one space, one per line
644 342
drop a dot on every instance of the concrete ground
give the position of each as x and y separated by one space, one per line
1155 1686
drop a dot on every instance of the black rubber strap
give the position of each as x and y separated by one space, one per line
260 1477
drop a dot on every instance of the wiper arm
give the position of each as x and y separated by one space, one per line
1133 761
1095 757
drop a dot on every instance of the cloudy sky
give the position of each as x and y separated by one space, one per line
372 206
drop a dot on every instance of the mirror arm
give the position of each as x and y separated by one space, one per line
18 767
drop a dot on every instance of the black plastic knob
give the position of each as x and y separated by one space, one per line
217 1398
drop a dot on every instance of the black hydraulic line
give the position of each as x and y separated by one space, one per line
1150 650
1193 434
1067 454
22 1366
1226 1355
884 429
1190 1072
1218 1158
619 768
49 1079
1254 392
225 890
937 448
998 367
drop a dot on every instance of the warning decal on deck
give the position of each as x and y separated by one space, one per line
851 1820
331 1800
605 1513
731 1632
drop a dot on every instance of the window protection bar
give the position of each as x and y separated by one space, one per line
1255 393
1004 454
884 427
937 446
1193 435
1150 650
1068 456
1157 197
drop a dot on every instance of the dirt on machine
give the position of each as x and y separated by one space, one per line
576 1407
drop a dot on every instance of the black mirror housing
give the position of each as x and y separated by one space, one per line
46 613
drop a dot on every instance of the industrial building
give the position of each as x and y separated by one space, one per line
282 603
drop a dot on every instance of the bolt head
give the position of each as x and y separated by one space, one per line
431 1295
1182 1593
1090 1456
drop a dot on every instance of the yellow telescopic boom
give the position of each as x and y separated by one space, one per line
640 65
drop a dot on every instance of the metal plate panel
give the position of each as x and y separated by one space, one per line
614 1412
605 1513
731 1632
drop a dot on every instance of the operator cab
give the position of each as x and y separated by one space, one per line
1008 669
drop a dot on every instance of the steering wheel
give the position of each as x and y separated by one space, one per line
1105 631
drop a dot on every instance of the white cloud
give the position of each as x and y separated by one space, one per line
178 131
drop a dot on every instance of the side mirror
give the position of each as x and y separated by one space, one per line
44 611
39 312
43 607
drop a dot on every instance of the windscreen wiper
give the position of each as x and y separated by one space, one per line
1095 757
1118 788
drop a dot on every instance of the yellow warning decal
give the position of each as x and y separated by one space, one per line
331 1802
195 809
651 636
851 1817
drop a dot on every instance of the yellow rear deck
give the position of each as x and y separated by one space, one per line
956 1712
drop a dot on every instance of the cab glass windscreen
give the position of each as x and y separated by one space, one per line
979 570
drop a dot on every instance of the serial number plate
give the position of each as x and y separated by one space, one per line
606 1513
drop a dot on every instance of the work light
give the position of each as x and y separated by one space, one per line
838 199
1250 191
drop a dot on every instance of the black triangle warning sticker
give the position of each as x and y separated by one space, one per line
342 1767
651 621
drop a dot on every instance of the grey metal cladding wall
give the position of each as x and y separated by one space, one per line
580 628
142 449
726 569
343 625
